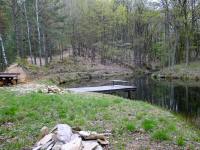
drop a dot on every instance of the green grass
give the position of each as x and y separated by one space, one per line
149 124
130 126
161 135
22 117
180 141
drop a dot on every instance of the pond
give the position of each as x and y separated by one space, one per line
180 97
177 96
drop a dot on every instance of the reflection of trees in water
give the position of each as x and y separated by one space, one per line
181 99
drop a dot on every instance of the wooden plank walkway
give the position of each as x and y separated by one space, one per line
109 88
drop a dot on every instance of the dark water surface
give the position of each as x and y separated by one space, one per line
177 96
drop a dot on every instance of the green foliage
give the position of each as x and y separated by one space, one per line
149 124
130 126
160 135
180 141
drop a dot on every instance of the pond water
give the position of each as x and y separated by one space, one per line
177 96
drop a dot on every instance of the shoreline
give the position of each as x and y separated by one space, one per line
181 72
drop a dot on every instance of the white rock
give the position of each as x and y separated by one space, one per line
45 139
57 146
64 133
87 135
75 144
37 148
84 133
50 147
89 145
74 136
48 144
103 142
99 148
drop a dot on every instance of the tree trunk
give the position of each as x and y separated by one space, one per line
3 51
38 30
15 26
28 32
44 48
187 49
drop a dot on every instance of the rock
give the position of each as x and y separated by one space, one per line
99 148
47 145
44 131
53 89
91 135
64 133
45 139
75 144
61 137
57 146
74 136
37 148
50 147
90 145
84 133
103 142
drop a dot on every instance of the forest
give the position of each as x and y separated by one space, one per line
134 32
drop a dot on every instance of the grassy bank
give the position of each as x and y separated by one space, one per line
183 72
133 124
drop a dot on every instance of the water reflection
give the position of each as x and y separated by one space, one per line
183 99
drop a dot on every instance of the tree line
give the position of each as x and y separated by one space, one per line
134 32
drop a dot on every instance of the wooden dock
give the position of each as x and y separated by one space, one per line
8 78
109 88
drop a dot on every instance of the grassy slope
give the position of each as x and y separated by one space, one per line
29 113
192 71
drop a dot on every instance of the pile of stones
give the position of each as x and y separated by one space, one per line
63 137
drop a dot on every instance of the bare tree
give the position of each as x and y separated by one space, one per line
28 32
3 51
38 30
